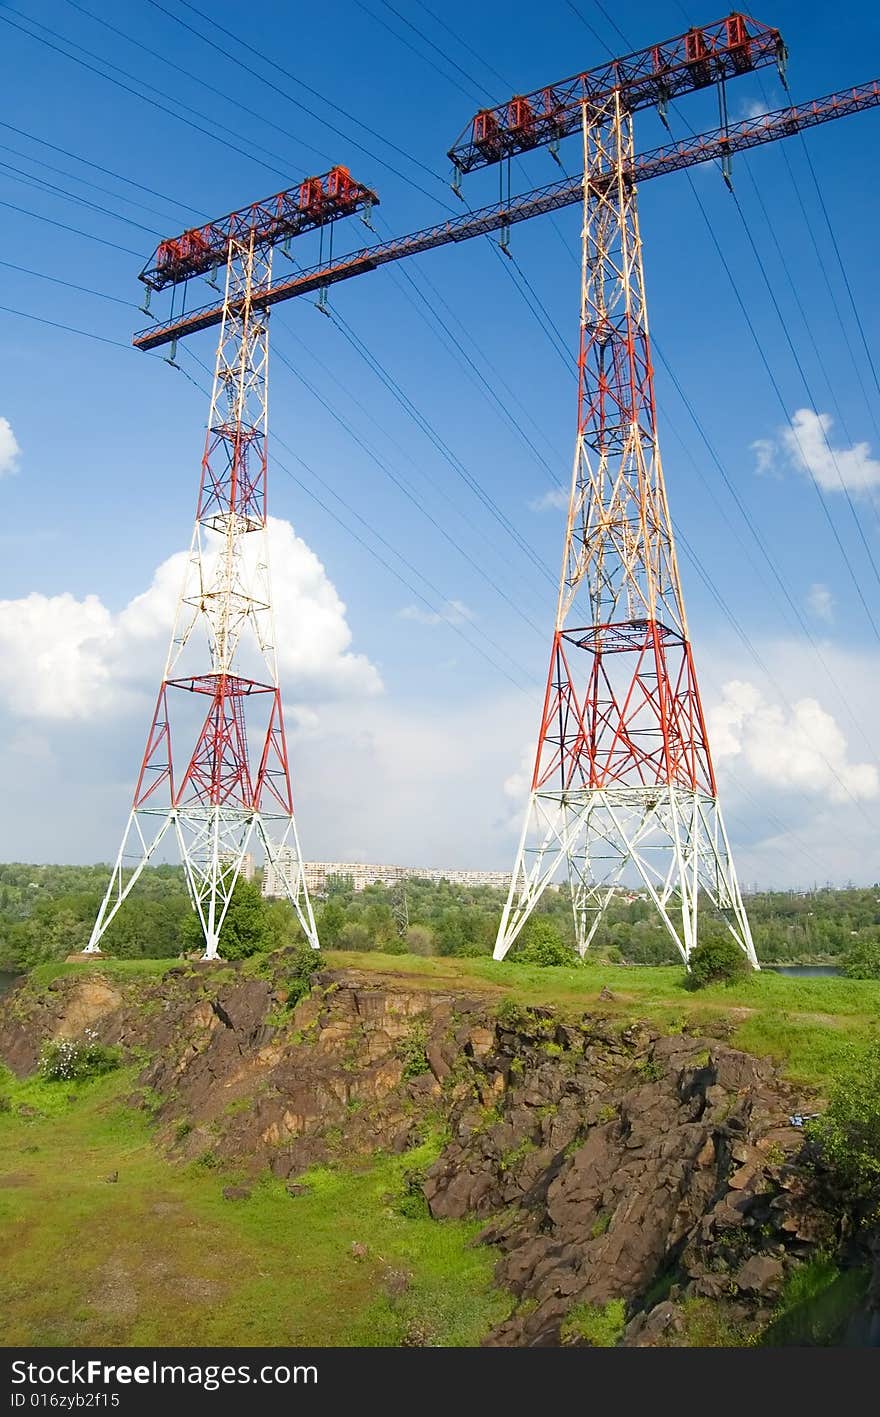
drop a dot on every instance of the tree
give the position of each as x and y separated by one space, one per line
331 921
246 929
862 961
420 940
541 943
717 959
848 1135
354 936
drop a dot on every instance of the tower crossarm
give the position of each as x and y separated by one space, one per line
647 78
315 202
702 147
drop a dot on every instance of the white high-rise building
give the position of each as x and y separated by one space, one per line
318 875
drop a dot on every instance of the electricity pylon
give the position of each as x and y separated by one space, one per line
623 786
220 688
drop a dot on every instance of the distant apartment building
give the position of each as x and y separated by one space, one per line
229 858
319 874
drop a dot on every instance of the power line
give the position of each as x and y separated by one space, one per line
869 553
226 141
444 600
300 83
442 447
194 78
426 59
475 373
409 494
89 235
464 44
289 97
475 83
43 185
108 172
775 384
83 181
83 289
69 329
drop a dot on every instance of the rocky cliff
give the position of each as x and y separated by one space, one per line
645 1178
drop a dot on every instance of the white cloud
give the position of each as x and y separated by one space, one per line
64 658
557 499
821 601
455 612
752 108
809 448
800 747
805 445
765 457
9 449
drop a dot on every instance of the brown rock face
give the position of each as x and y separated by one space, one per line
614 1172
608 1163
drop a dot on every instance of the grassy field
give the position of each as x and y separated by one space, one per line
160 1257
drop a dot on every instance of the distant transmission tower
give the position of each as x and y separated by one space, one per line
215 771
623 785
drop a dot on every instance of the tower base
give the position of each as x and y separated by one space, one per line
213 842
667 840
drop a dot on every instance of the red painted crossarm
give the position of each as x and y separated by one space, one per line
704 147
648 78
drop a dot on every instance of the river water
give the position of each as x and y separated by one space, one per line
6 982
803 971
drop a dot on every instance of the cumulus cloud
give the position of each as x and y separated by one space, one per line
66 659
799 747
455 612
821 601
806 446
765 457
556 499
752 108
9 449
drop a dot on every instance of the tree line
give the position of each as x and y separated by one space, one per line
47 912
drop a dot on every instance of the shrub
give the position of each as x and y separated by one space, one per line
598 1325
862 961
716 960
541 943
354 936
71 1060
411 1202
847 1137
511 1015
411 1051
304 963
420 940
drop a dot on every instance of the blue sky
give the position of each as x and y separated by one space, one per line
406 735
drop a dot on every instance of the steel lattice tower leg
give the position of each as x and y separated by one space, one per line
623 781
234 785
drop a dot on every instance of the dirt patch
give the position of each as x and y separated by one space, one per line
15 1178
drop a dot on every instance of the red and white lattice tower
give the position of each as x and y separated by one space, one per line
215 772
623 787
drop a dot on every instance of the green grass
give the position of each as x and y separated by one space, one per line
160 1258
43 974
815 1305
806 1025
599 1325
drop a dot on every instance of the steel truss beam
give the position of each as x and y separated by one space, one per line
705 147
